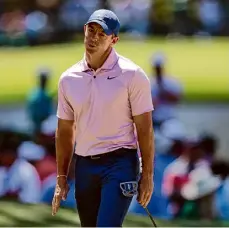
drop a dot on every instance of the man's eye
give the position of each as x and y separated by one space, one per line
102 34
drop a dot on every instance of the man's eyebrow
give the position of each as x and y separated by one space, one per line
90 26
95 27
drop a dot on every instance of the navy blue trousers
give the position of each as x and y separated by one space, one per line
99 198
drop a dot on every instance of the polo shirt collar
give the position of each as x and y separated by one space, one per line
108 64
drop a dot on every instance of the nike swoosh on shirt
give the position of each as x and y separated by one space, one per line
109 78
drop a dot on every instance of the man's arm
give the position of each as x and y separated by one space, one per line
64 145
141 108
145 135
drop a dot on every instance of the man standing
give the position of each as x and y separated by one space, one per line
166 92
39 103
100 99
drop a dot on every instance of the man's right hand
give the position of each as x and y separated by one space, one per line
61 192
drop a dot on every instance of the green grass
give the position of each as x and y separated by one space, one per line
19 215
201 66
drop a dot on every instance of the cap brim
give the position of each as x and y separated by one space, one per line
103 25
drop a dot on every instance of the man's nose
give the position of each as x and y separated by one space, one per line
95 36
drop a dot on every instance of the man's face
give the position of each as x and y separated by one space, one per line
96 40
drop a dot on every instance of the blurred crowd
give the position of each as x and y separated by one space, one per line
27 159
190 181
24 22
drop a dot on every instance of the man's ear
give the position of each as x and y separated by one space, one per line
85 27
115 40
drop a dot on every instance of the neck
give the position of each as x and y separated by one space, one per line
96 60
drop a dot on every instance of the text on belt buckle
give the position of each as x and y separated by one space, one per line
95 157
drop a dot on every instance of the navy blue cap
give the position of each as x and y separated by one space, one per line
107 19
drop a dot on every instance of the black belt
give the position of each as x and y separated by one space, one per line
115 153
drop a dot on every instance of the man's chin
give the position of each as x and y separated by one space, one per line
92 49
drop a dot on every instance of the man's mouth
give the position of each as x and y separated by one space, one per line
91 45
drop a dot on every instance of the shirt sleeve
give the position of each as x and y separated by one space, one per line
64 109
140 93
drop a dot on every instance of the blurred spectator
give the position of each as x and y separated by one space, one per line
221 168
210 14
186 17
38 28
180 8
47 4
31 151
40 151
47 166
176 174
74 13
135 19
42 22
174 131
161 17
225 15
12 25
18 178
208 144
166 91
119 7
199 193
39 103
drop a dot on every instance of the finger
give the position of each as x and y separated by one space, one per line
53 206
142 197
147 199
64 196
56 204
56 200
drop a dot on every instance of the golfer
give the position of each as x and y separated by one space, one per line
101 99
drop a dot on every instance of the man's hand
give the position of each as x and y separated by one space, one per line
61 192
145 190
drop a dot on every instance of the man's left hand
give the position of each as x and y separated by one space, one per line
145 190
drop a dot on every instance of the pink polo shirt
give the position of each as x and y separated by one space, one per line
103 102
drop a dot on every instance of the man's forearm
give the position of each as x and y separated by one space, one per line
146 145
64 151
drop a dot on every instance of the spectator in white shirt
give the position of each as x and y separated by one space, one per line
176 174
18 178
166 91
